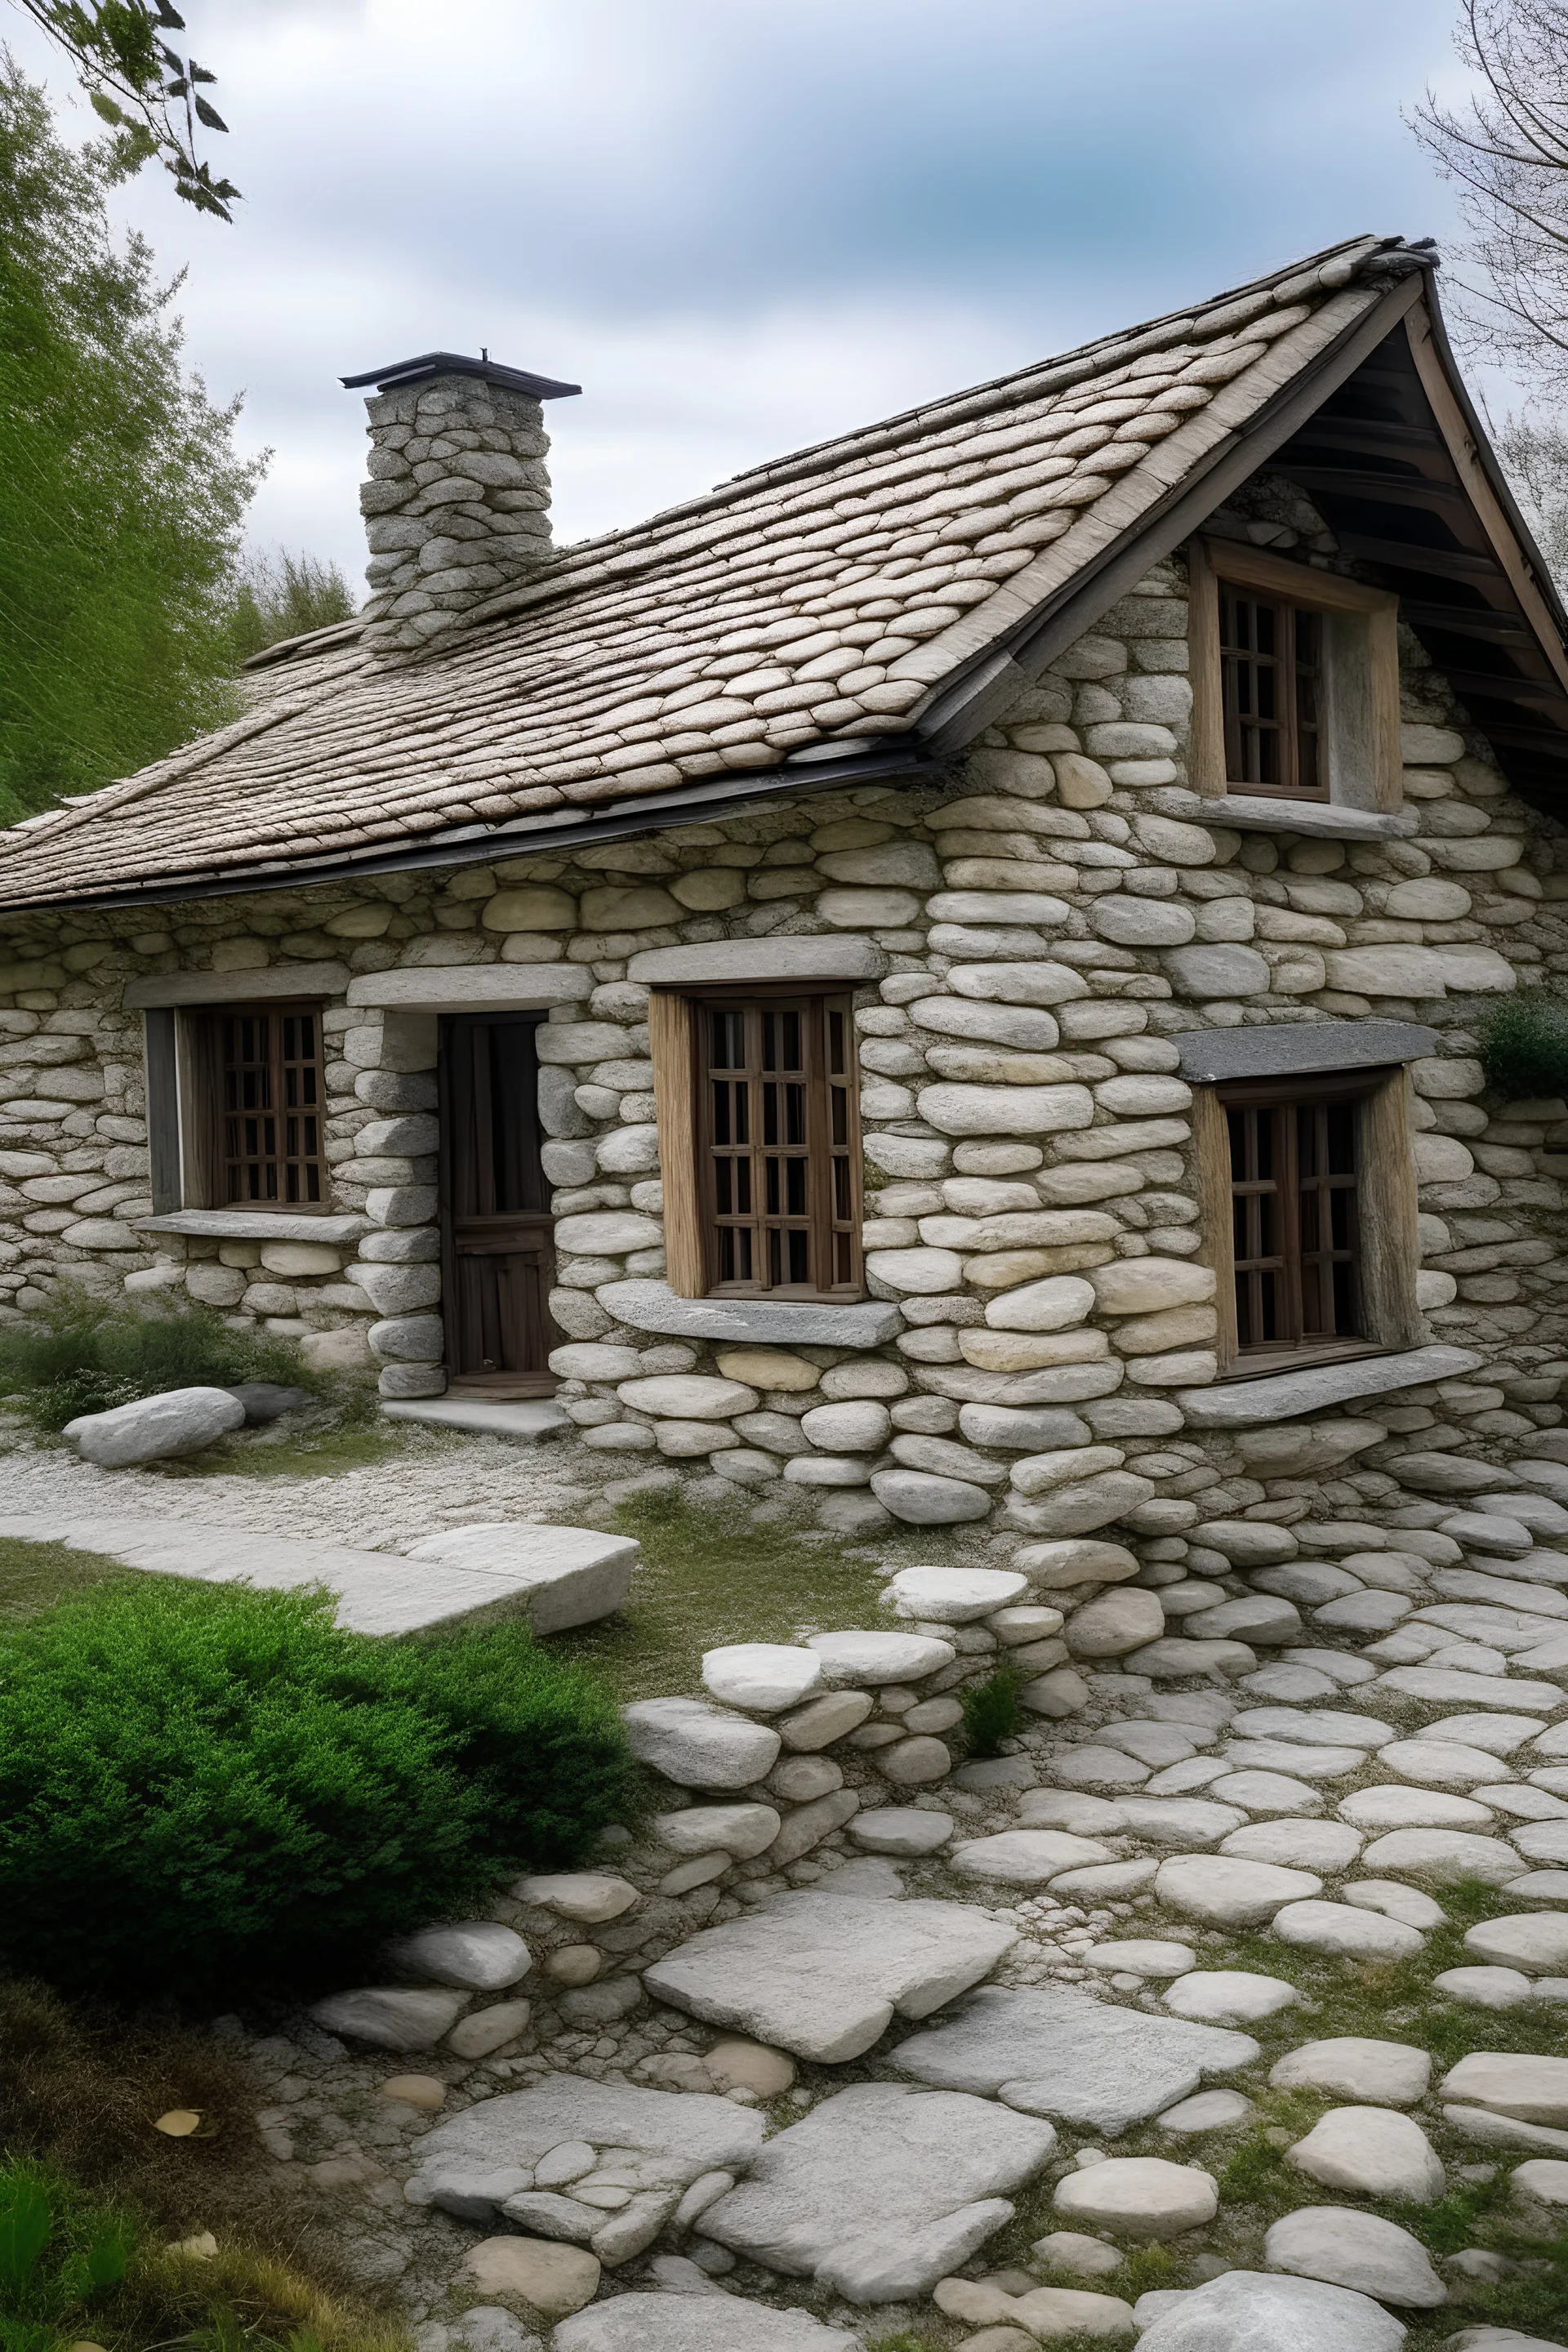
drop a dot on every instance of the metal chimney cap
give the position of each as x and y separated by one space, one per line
434 363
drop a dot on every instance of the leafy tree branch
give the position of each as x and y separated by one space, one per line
147 92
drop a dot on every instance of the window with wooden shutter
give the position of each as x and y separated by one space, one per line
263 1075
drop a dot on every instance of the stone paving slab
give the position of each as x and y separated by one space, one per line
1063 2053
716 2322
377 1591
822 1976
882 2189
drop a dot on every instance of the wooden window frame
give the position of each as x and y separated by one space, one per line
1389 1256
201 1072
685 1154
1359 759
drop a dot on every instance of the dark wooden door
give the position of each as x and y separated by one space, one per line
496 1251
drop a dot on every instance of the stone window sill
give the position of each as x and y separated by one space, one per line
1320 820
1285 1396
654 1307
254 1225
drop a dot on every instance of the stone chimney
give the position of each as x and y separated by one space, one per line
457 504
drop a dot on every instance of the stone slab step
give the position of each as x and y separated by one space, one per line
378 1592
526 1419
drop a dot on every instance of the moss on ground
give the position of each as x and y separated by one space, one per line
711 1575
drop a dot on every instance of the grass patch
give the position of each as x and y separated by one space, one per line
70 2263
79 2088
80 1355
35 1576
713 1575
255 1797
994 1711
349 1434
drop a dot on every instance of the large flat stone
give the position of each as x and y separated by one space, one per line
377 1593
1373 2074
882 2190
1247 2311
521 1419
714 2322
1534 2089
653 1306
569 1576
1057 2052
1446 1856
1452 1686
1535 1941
1240 1404
1208 1055
822 1975
1361 2250
1225 1893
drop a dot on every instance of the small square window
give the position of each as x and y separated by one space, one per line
1295 676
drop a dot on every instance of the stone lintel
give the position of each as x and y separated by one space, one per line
1209 1055
473 987
1242 1405
252 1225
267 986
1321 819
654 1307
743 959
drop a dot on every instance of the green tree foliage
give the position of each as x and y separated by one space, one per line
135 81
207 1787
284 596
1524 1046
121 492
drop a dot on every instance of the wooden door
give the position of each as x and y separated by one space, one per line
498 1258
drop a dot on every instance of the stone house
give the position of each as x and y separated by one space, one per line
944 972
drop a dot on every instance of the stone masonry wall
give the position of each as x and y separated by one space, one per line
1050 918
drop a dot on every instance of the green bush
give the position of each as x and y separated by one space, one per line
206 1787
1524 1046
80 1356
992 1711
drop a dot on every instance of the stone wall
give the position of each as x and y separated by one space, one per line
1047 920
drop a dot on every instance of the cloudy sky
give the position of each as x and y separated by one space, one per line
744 225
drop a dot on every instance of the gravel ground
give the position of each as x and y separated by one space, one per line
434 1481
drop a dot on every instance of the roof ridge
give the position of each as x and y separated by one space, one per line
1041 375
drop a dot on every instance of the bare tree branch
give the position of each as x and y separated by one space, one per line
1506 150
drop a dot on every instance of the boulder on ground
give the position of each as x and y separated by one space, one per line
155 1428
1247 2311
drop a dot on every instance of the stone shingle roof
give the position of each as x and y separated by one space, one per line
825 599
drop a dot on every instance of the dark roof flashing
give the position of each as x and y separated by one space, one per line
434 363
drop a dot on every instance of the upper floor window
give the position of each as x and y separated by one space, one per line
1271 668
1295 676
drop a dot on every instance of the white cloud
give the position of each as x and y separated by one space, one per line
746 224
